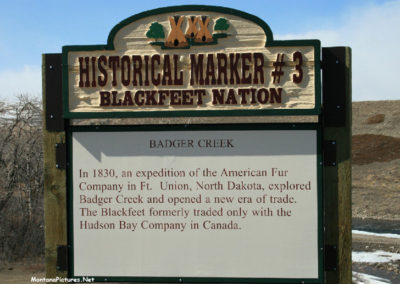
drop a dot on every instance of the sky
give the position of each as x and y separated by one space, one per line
30 28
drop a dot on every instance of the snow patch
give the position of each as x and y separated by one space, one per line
361 278
393 236
378 256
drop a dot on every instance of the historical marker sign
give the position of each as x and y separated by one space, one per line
236 203
194 203
191 61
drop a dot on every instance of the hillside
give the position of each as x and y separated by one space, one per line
376 160
376 183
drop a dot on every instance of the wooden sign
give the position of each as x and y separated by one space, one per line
238 203
191 61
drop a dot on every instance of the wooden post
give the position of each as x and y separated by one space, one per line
54 178
336 119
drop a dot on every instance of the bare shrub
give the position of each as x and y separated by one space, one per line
21 179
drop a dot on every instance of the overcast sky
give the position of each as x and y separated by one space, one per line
371 28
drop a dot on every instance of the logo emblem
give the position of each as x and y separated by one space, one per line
197 32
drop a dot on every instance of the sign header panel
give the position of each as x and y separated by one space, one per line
192 61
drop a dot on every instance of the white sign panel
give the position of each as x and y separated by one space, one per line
240 204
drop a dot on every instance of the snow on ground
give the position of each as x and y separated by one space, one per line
378 256
393 236
375 256
361 278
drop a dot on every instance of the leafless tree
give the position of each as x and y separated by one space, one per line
21 179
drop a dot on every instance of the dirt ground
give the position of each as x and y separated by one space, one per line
21 272
376 160
375 190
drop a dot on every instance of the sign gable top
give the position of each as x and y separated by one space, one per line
133 29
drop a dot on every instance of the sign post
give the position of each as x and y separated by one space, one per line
234 202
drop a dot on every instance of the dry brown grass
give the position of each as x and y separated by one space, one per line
369 148
375 119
